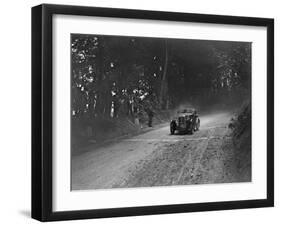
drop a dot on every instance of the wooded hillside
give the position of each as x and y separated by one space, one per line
125 77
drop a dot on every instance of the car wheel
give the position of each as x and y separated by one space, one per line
198 124
172 130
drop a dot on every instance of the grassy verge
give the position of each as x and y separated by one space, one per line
102 129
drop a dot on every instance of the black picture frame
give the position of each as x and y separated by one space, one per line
42 107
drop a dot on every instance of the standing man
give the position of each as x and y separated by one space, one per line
150 114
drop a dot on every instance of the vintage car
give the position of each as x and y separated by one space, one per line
186 121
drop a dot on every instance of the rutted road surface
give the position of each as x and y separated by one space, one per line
157 158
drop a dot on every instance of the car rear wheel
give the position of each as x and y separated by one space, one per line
192 131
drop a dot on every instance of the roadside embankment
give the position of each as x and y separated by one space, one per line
242 134
93 131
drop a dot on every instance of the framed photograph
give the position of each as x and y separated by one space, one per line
147 112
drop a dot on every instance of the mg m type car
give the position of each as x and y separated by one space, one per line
186 121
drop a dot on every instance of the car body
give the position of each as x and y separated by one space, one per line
186 121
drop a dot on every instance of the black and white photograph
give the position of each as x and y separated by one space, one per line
149 112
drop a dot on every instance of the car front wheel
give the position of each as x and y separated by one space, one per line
198 125
172 129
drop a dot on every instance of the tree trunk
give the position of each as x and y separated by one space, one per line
108 102
163 86
99 109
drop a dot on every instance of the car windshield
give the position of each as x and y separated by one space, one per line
186 111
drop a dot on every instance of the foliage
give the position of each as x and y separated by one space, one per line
115 77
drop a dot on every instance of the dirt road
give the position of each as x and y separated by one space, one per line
157 158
